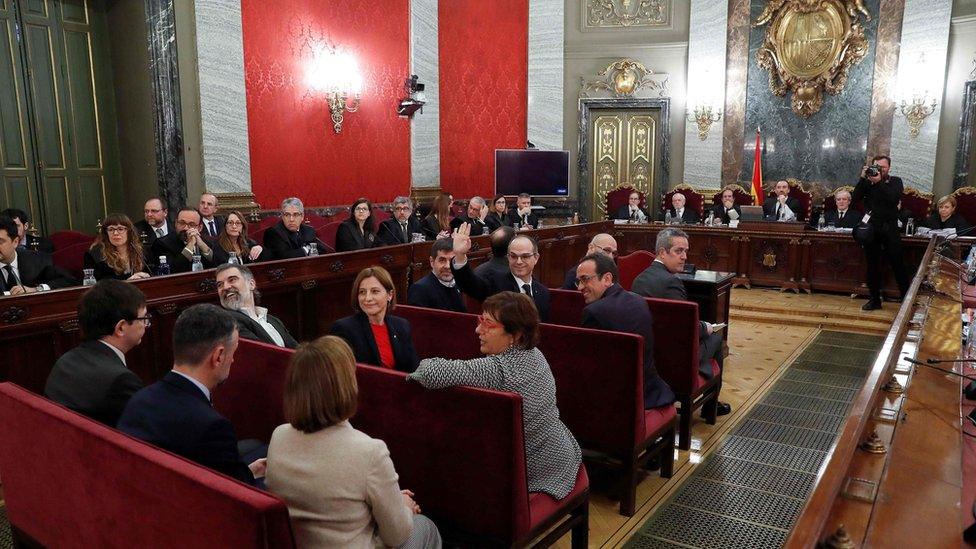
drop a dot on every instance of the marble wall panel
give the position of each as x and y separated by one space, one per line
706 86
163 60
545 86
736 73
425 140
921 69
828 148
885 76
223 107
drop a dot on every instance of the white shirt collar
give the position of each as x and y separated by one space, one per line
201 386
519 282
116 350
12 263
450 284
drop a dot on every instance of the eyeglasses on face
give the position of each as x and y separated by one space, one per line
610 251
584 279
147 320
186 224
400 208
292 215
116 229
233 223
485 322
523 257
361 209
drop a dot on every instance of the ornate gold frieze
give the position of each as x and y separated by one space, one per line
241 202
626 13
623 78
810 46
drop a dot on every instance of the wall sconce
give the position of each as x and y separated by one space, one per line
415 99
916 112
913 78
704 116
337 75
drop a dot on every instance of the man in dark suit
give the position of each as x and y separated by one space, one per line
438 290
602 243
523 254
843 216
176 413
93 379
522 217
783 207
181 245
632 211
26 271
472 217
28 241
211 223
500 239
290 237
723 210
400 228
236 289
155 223
659 281
610 307
680 213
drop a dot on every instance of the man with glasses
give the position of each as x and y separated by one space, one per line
400 228
473 216
156 222
523 254
660 280
180 246
93 379
601 244
632 211
610 307
290 237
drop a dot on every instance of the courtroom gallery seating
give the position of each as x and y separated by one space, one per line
71 258
631 265
460 450
83 484
63 239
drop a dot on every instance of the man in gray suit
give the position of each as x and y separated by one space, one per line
237 291
659 281
93 379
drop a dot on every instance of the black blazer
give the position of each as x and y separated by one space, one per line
390 233
172 246
514 217
429 292
95 259
477 227
481 288
689 216
91 380
36 268
569 283
280 243
221 256
356 331
143 227
622 311
955 221
769 208
881 199
719 212
349 237
175 415
493 265
496 221
850 220
248 328
430 227
624 213
219 221
38 244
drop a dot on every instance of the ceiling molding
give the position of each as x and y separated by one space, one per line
591 51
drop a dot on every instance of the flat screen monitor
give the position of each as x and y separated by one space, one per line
539 173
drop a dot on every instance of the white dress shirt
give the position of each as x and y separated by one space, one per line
260 315
19 281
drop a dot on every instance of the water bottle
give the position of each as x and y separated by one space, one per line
575 218
234 260
667 217
163 268
910 227
197 265
539 224
821 225
89 277
711 219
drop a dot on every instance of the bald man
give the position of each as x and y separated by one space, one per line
601 244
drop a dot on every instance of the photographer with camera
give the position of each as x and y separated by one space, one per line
878 231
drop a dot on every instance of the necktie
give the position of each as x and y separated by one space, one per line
527 288
841 216
159 233
11 279
779 211
525 219
213 228
406 237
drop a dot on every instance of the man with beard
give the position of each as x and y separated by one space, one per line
438 289
236 289
180 246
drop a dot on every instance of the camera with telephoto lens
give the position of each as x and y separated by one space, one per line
873 170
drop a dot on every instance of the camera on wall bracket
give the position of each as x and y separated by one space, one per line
873 170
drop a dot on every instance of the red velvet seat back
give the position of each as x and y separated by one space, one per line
63 239
830 204
620 197
379 216
966 203
566 307
71 258
314 220
631 265
740 196
441 333
252 398
327 233
693 199
920 204
69 481
675 342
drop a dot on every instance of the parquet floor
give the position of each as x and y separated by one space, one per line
768 329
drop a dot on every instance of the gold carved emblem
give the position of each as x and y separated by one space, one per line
810 46
769 258
627 13
622 78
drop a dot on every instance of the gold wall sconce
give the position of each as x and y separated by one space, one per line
337 76
916 111
704 116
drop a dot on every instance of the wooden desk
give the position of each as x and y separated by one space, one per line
710 290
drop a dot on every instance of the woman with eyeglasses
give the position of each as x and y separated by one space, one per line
376 336
357 232
234 240
117 252
497 214
508 331
437 224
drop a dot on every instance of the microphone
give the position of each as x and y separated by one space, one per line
941 361
969 391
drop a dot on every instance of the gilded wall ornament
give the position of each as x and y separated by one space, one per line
623 78
810 46
627 13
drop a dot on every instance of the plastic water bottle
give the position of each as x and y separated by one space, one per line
163 268
667 217
197 264
539 224
89 277
910 227
234 260
821 224
711 219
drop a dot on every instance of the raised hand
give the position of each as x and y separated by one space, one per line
462 242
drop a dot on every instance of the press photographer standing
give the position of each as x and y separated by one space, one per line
881 238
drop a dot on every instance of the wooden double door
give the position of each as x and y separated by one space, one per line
58 142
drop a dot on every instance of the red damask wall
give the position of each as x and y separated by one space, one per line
483 91
294 151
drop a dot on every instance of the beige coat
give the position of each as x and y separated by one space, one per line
340 487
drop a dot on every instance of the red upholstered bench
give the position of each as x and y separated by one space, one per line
633 264
599 394
461 450
69 481
675 352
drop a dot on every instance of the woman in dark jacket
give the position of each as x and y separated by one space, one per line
438 221
497 214
357 232
946 217
117 252
234 240
376 336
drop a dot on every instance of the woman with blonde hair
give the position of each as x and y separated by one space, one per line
116 252
234 240
945 216
437 224
339 484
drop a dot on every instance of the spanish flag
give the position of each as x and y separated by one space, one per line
757 187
